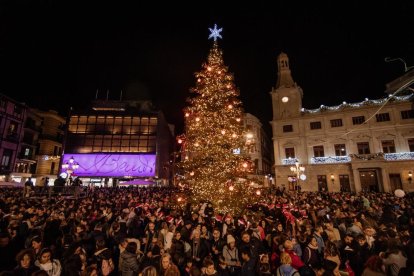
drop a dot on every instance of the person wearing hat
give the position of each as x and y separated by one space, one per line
231 255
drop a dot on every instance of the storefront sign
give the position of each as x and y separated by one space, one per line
113 165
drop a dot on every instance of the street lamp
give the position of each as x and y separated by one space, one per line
70 166
299 172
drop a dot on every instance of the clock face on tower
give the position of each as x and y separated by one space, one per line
285 99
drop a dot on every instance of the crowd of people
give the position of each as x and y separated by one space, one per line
146 231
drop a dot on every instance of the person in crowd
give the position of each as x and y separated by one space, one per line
149 271
394 260
310 254
199 248
222 268
217 244
178 250
128 263
231 256
89 234
167 266
332 233
374 267
36 244
28 187
46 263
208 268
286 268
296 261
25 263
248 267
264 268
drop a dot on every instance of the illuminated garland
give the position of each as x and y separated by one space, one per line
366 102
50 157
330 159
372 156
399 156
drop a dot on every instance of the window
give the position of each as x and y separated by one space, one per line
344 183
6 158
315 125
322 183
340 150
359 120
12 128
52 168
363 148
383 117
37 149
388 146
411 144
287 128
18 110
318 151
2 103
407 114
336 123
55 150
290 152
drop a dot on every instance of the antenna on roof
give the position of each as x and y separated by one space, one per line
107 94
96 95
120 97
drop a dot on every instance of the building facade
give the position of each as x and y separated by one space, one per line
116 140
49 145
259 147
12 117
26 162
365 146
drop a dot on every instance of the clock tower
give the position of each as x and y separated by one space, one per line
287 95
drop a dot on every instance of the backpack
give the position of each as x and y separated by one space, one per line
306 271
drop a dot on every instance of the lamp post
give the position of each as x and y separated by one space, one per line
299 172
70 166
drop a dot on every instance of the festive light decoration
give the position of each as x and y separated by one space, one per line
50 157
289 161
215 33
399 156
372 156
214 133
366 102
330 159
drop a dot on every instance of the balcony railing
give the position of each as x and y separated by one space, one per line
52 137
289 161
399 156
26 157
330 159
346 159
32 127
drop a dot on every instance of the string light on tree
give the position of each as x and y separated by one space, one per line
214 135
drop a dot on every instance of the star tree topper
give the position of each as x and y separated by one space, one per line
215 33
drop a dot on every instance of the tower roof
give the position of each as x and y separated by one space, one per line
284 77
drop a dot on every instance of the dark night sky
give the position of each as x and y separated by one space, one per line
55 54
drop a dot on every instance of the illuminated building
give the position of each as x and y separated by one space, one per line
116 140
352 146
12 116
49 145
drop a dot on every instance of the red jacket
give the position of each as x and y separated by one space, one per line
296 261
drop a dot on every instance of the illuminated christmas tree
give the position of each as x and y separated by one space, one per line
214 165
